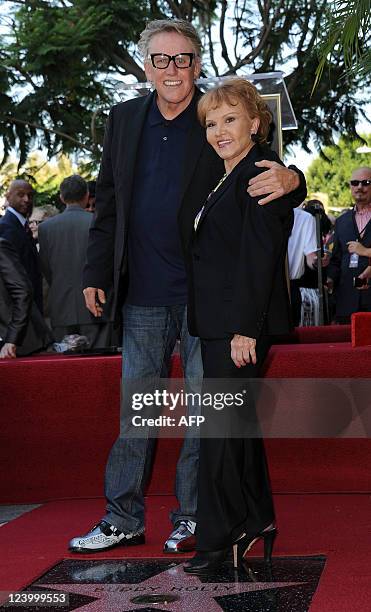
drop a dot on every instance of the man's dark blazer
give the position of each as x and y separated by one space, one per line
348 297
21 322
12 230
63 241
107 250
237 259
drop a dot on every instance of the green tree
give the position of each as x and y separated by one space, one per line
62 61
330 173
346 29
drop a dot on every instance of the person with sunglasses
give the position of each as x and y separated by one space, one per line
352 242
156 165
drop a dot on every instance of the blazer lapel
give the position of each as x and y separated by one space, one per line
196 141
367 234
13 220
130 147
212 199
195 144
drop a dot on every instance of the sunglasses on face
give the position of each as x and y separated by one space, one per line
162 60
364 183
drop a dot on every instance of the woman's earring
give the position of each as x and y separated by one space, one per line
255 137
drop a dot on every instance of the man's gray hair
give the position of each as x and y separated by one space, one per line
158 26
73 189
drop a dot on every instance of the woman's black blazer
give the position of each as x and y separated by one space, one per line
236 259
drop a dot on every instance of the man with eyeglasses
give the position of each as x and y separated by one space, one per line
156 166
351 252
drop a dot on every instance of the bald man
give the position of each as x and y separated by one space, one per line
351 247
14 228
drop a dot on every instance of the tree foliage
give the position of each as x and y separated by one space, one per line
330 173
346 28
61 62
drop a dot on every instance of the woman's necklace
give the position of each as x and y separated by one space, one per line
217 186
198 217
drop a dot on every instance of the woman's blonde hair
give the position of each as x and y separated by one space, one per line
232 92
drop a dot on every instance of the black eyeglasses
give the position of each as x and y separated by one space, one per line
364 183
162 60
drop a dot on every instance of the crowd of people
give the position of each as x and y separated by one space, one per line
42 258
194 216
48 249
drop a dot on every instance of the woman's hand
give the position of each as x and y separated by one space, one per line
8 351
357 247
243 350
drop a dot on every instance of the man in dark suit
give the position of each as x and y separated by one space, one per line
23 330
14 228
156 162
349 257
63 242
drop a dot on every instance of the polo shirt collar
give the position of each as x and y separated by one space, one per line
182 121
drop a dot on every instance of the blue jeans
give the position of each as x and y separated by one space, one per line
149 337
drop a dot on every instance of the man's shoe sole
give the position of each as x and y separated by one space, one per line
174 551
134 541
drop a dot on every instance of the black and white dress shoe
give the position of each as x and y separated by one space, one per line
182 539
104 536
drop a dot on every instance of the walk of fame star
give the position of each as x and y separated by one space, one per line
112 585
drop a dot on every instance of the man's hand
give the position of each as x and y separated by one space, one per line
276 181
9 351
94 298
325 260
312 260
357 247
243 350
330 285
366 274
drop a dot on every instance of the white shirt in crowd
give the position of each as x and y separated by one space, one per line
302 242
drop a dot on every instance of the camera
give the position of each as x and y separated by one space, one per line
358 283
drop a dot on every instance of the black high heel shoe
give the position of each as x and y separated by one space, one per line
247 542
207 561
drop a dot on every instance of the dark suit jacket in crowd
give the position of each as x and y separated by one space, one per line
21 322
237 259
12 230
107 250
347 297
63 241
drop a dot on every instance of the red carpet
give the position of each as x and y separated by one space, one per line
59 416
361 329
337 526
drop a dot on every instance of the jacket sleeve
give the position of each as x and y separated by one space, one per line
334 268
262 255
98 271
20 292
298 196
44 254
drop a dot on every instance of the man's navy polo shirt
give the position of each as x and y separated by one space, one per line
156 268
